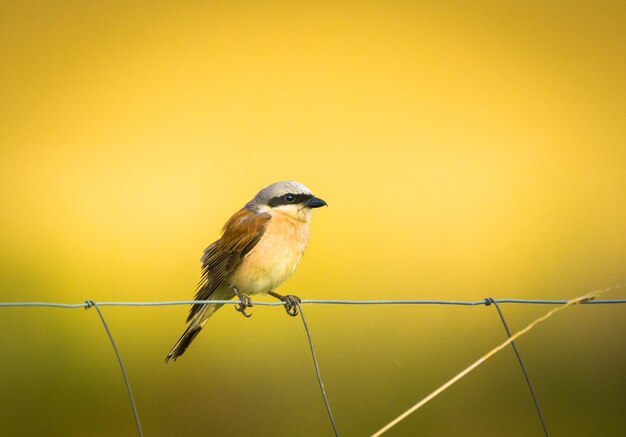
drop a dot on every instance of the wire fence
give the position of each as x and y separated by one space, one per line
486 302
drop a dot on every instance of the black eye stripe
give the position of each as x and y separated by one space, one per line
281 200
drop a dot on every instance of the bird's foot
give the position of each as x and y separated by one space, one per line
244 303
291 302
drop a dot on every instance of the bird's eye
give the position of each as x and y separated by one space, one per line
290 198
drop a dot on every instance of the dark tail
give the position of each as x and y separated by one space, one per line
183 342
198 321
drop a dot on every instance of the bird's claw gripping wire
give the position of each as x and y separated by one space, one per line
291 302
244 302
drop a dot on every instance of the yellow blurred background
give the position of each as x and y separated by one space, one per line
466 150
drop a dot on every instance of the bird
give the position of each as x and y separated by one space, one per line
260 247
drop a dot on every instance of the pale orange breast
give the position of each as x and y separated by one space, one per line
274 258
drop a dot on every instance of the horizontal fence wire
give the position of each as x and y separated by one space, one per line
487 301
310 301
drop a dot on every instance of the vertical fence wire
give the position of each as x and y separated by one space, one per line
490 301
317 371
89 304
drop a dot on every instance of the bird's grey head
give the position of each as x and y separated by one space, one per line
289 197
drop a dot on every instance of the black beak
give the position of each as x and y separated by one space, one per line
315 202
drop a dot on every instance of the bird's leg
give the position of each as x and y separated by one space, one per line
291 302
244 302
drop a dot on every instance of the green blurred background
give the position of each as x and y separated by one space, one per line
466 149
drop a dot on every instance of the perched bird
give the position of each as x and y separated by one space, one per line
260 247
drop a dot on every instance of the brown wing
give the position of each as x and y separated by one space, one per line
239 235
